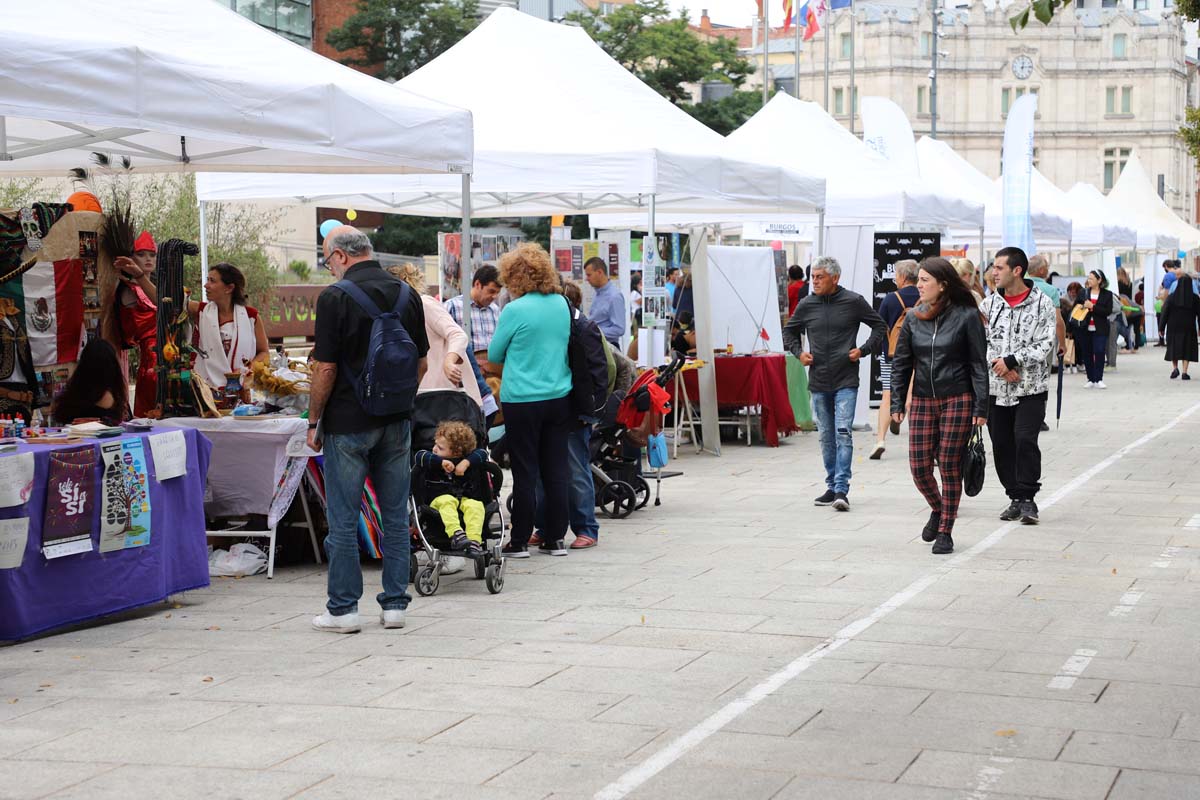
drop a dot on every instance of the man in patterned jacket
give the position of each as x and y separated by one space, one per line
1020 334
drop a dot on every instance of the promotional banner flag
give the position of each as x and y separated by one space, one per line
886 130
1017 174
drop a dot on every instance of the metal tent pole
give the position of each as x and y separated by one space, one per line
796 54
203 250
766 51
464 261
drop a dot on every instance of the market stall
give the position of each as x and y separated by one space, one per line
99 526
754 386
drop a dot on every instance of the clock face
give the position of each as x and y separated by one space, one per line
1022 67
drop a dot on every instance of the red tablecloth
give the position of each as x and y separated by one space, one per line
753 381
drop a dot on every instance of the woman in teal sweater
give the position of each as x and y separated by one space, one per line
531 342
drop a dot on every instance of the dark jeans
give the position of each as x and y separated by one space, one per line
383 454
536 435
581 492
1014 431
1092 348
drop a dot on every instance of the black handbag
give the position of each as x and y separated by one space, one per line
974 463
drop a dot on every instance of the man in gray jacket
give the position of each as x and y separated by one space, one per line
830 318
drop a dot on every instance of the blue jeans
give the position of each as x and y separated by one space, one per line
581 492
382 454
1093 346
835 417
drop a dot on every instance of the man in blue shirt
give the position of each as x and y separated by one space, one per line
608 306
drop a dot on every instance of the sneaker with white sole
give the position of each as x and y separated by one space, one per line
558 548
392 618
345 623
1089 385
841 502
1100 385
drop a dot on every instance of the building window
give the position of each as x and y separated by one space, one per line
1110 100
1119 42
1080 3
839 101
1005 100
1108 3
291 19
926 43
1126 99
1114 162
847 43
607 8
1139 5
854 99
922 106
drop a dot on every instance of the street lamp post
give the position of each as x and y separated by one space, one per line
933 71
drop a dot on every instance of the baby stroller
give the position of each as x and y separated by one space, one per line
428 533
630 420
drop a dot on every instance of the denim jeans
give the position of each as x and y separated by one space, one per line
1092 345
383 454
835 417
581 492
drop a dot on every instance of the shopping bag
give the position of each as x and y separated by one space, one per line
974 463
656 450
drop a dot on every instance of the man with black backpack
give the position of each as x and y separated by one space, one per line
368 358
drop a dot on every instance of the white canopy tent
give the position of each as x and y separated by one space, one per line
1088 201
863 188
190 85
601 141
1136 195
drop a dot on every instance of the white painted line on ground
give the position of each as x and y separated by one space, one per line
675 750
1167 555
987 777
1071 669
1126 603
1194 522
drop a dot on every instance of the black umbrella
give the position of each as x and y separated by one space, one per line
1058 414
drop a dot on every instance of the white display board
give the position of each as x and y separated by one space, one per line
743 300
854 248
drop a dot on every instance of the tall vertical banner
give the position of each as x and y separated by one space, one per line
1017 174
125 502
887 131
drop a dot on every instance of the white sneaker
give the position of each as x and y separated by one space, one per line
392 618
452 564
1088 385
346 623
1099 385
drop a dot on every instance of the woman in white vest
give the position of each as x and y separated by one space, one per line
229 333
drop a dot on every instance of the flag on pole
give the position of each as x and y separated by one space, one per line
50 298
808 18
760 7
834 5
787 15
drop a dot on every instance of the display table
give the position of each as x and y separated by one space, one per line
753 381
43 594
257 467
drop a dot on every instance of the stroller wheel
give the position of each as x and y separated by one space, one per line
427 582
479 568
617 500
509 504
642 490
495 578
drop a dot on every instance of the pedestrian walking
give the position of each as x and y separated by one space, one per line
894 309
367 361
828 319
1093 307
942 348
1180 312
1020 335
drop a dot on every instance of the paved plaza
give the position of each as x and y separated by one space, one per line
735 642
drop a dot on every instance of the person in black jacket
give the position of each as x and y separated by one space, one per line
943 348
830 318
1091 332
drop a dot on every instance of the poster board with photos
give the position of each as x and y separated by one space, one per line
891 247
486 248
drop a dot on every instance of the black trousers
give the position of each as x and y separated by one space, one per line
536 436
1014 431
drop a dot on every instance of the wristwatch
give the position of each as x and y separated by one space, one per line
312 424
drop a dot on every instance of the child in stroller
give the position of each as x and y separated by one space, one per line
452 471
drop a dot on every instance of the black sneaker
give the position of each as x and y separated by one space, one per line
825 499
1044 427
930 531
474 549
512 550
841 502
1012 512
558 548
943 545
458 541
1029 513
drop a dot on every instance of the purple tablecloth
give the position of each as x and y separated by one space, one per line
44 594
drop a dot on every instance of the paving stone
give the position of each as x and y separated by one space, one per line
363 757
126 715
880 762
1083 690
1134 752
601 739
809 788
357 787
332 722
537 702
24 779
1051 713
182 783
981 774
171 748
1142 785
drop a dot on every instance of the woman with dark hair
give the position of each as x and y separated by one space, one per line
98 388
1093 306
943 349
229 333
1181 311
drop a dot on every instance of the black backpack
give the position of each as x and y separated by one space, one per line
387 384
589 366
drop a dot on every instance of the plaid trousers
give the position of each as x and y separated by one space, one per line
943 425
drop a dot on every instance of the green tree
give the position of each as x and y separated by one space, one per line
417 236
1044 10
661 50
391 38
539 231
17 192
1190 132
728 113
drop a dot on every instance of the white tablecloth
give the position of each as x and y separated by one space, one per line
249 459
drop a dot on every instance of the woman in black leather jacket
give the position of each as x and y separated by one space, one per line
943 347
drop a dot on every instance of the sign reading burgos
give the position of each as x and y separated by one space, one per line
292 311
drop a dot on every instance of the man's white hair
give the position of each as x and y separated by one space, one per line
352 242
829 264
908 268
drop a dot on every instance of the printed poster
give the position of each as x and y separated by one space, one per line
14 534
70 503
125 504
170 455
591 249
577 262
562 260
614 261
16 479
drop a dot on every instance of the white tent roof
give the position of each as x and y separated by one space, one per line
1136 194
560 127
942 166
153 79
1119 230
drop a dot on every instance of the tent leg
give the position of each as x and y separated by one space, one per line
4 155
980 259
464 260
1070 269
821 232
203 249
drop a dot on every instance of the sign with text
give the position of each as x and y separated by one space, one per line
890 248
292 311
